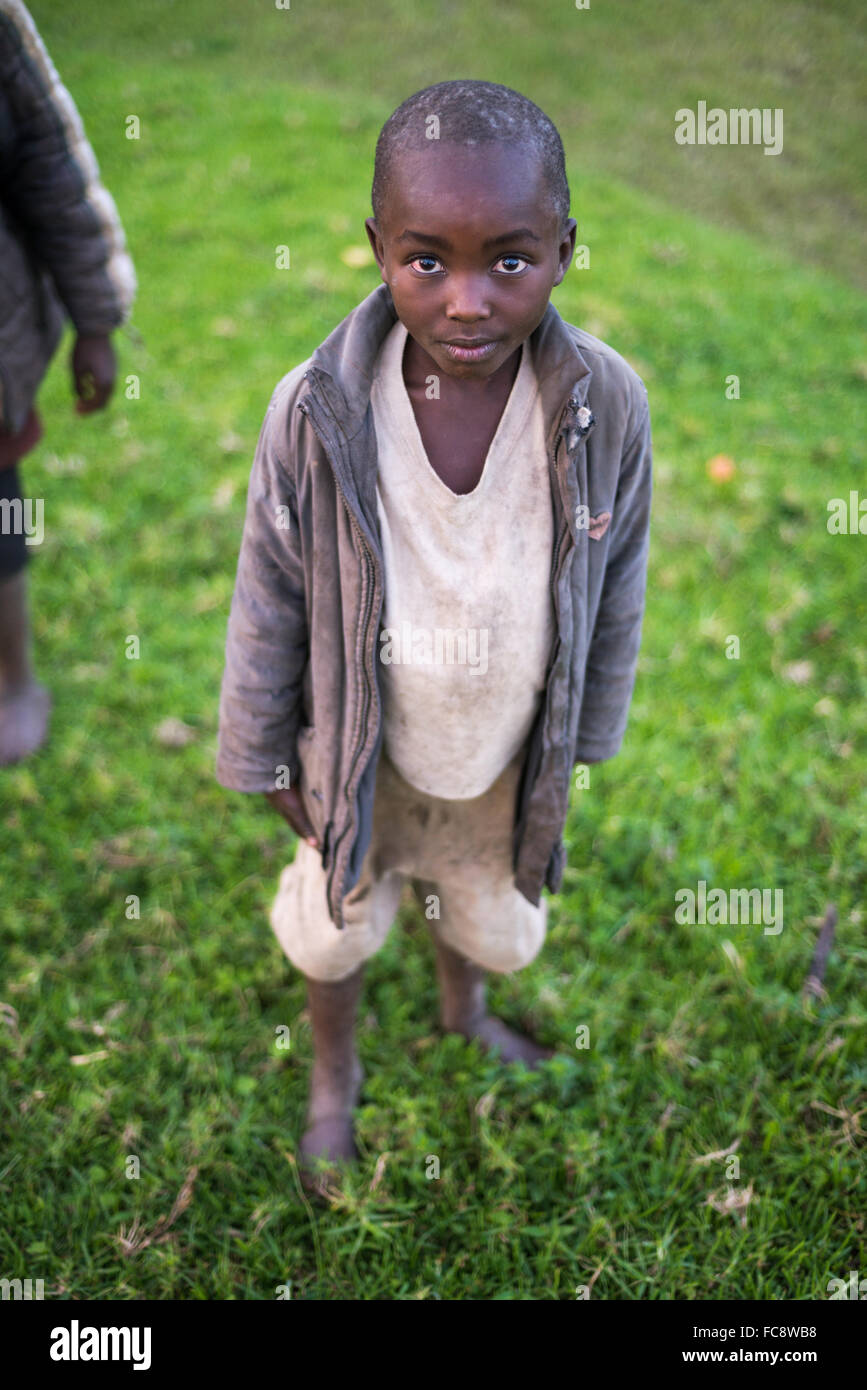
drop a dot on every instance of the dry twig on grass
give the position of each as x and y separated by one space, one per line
813 987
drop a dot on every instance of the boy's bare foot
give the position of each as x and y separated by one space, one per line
336 1080
496 1036
23 721
330 1130
463 1010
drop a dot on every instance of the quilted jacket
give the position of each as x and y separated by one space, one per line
62 248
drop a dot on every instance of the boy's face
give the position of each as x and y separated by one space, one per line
470 248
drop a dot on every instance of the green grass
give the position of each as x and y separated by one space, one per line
743 772
611 77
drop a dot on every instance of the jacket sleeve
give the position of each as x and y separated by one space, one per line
267 641
51 183
613 654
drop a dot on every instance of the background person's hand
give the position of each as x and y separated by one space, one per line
287 802
94 367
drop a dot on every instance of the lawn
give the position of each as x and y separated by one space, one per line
157 1037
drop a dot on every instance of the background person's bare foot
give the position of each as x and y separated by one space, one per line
23 722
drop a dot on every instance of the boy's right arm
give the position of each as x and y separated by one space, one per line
287 802
267 639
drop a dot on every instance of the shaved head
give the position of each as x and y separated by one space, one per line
468 113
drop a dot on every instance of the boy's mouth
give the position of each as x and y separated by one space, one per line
470 349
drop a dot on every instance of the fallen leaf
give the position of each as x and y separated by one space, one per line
9 1016
718 1153
664 1120
798 672
174 733
231 443
81 1059
735 1200
720 469
484 1104
224 494
379 1171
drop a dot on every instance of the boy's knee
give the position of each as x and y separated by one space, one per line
308 937
509 940
321 954
503 957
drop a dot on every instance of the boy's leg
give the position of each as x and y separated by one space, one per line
463 1004
482 922
337 1074
332 964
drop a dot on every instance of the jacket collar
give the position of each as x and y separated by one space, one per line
337 401
341 368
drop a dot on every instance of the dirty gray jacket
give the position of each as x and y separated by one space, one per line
300 691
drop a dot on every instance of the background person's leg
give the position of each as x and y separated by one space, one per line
24 703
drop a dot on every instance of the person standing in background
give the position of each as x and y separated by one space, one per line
62 254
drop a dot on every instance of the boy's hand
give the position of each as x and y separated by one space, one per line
94 367
287 802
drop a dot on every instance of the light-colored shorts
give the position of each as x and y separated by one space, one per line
458 857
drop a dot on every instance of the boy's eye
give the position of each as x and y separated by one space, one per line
428 263
509 263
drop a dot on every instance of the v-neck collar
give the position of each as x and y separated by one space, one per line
521 397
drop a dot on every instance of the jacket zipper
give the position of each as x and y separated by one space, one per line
368 683
555 566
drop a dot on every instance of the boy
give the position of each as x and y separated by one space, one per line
440 589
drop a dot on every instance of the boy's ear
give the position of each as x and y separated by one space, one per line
376 244
566 250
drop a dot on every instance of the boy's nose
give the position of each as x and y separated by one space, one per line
468 298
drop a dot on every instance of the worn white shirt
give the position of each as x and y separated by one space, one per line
468 622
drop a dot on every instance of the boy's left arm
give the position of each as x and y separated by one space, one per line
613 654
